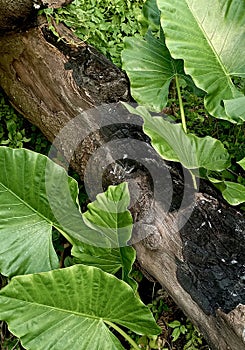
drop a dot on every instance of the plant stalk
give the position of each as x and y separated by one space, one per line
182 112
183 120
194 180
125 335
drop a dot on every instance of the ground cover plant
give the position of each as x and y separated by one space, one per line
17 132
102 23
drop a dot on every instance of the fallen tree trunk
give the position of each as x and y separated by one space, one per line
191 242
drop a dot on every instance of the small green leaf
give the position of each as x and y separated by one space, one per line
242 163
176 333
69 309
183 329
173 144
174 324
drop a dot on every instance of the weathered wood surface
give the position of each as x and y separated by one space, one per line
200 263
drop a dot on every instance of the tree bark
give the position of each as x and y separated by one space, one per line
192 243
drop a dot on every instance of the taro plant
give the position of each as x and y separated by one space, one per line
201 43
80 306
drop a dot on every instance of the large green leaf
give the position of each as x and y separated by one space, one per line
109 215
235 107
152 14
234 193
210 37
70 309
35 195
173 144
150 69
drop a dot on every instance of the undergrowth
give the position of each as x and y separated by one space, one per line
17 132
201 123
102 23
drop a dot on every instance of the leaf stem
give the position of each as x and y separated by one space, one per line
183 120
194 180
182 112
125 335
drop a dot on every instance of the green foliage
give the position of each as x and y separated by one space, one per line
172 143
189 32
157 307
149 342
80 296
192 46
16 131
12 131
178 329
86 299
29 218
31 214
193 337
109 214
151 15
102 23
154 66
175 334
242 163
233 193
201 123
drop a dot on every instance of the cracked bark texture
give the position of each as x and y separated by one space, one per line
191 242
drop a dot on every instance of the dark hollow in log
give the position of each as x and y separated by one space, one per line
18 15
200 264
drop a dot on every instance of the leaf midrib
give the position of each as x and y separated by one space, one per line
26 204
209 42
34 304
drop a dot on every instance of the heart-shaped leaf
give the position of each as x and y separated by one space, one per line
209 37
150 69
109 215
173 144
71 308
36 195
